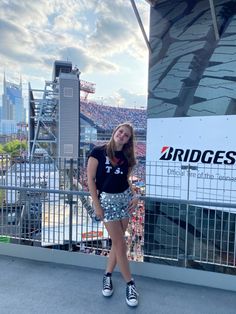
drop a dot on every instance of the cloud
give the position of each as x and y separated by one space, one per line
95 35
116 29
92 24
61 23
109 37
25 12
86 62
132 99
125 98
16 43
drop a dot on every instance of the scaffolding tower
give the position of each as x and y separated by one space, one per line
43 120
54 113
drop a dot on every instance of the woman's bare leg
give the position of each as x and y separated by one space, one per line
116 232
111 264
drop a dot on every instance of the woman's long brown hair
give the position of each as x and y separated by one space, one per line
128 148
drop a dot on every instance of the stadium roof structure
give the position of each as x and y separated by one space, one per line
87 88
211 4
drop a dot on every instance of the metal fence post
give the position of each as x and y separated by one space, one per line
188 167
70 200
186 228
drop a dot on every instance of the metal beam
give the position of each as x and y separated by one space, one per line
213 15
141 25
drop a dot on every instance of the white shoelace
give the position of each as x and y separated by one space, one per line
107 283
132 291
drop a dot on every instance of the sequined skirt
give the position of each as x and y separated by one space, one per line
115 205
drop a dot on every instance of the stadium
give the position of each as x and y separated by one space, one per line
63 122
98 121
186 215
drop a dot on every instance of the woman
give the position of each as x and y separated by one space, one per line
108 170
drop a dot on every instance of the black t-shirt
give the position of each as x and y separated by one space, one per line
109 178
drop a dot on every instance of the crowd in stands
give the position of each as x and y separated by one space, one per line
140 149
108 117
135 234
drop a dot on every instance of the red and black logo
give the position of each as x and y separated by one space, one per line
218 157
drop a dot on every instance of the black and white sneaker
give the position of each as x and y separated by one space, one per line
107 290
131 294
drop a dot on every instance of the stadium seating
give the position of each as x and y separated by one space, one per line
107 117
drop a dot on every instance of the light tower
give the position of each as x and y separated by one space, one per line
87 88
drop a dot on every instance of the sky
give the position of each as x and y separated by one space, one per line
101 37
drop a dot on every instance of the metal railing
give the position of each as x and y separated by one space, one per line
47 204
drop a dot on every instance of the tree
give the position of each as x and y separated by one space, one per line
15 148
1 149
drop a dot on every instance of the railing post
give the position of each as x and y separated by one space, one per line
188 167
70 200
186 228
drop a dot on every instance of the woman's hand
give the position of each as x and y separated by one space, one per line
99 212
132 205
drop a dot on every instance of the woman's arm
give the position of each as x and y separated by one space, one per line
129 179
91 175
134 202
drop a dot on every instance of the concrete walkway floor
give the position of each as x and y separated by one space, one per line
32 287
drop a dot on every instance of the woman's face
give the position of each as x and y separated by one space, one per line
122 136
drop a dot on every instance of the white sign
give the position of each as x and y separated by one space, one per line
192 158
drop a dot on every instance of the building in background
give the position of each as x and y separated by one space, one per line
12 110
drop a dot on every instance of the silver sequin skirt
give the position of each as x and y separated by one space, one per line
116 205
